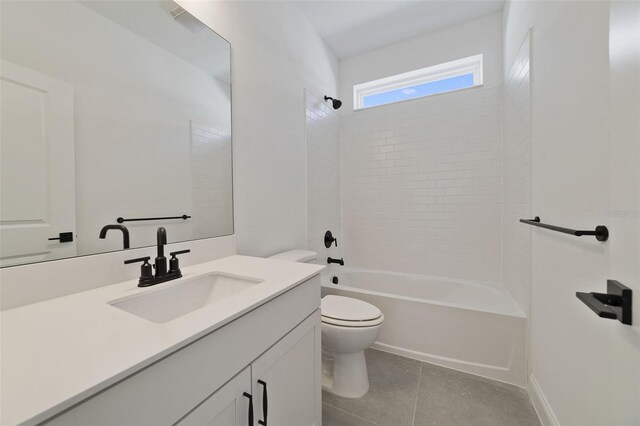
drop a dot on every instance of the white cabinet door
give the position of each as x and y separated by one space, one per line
37 166
228 406
286 378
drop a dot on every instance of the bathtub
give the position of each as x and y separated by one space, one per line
469 326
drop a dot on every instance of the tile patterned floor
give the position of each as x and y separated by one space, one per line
405 392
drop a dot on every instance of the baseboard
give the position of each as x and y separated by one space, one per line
540 403
487 372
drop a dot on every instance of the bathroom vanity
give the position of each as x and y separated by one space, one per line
234 341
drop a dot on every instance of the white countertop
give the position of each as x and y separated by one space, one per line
58 352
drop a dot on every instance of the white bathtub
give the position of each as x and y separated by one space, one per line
465 325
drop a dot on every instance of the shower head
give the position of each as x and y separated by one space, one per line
337 103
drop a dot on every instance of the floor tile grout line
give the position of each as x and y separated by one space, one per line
415 406
351 414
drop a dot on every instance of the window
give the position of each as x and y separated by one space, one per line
447 77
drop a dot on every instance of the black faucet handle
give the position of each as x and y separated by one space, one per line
329 239
146 272
174 262
175 253
138 259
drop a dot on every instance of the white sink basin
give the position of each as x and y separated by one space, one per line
172 300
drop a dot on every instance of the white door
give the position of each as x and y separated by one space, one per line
37 193
286 379
228 406
623 396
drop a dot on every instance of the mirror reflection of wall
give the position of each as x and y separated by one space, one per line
111 109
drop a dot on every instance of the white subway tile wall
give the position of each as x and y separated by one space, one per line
323 175
422 186
517 178
212 197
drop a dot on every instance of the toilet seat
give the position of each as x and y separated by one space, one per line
349 312
354 324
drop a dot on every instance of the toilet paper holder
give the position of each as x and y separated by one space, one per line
614 304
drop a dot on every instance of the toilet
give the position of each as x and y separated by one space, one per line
349 326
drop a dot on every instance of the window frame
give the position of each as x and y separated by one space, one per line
459 67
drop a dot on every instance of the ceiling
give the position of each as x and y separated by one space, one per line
351 27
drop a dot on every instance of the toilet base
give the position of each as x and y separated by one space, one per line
345 375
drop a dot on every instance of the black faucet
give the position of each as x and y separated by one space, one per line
125 233
147 277
338 261
161 261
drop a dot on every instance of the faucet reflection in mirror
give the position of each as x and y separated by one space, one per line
111 144
125 234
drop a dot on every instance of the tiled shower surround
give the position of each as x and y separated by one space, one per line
421 185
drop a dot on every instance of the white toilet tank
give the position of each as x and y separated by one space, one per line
303 256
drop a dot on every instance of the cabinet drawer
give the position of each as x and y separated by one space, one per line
167 390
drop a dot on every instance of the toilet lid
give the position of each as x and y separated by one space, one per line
348 309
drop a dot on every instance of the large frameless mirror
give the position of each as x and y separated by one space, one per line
116 119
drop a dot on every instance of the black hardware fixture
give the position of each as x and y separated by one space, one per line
601 232
336 103
125 234
146 270
334 280
174 262
161 261
147 278
329 239
248 395
63 237
338 261
140 219
614 304
265 400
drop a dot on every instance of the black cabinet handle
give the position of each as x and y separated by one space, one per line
265 400
248 395
63 237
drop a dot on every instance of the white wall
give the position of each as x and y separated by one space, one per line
323 176
422 185
587 369
516 148
276 54
482 35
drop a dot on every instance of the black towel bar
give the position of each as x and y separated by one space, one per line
601 232
183 217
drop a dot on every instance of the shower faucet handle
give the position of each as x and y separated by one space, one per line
329 239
